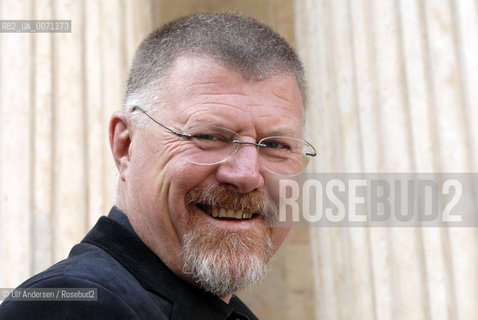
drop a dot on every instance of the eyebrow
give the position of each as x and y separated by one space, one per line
218 123
281 132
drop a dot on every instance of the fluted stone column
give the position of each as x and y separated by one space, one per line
57 92
393 89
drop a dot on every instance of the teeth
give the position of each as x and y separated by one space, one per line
229 213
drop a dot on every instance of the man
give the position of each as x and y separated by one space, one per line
213 118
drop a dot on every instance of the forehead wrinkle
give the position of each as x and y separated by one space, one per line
227 94
206 83
280 97
204 103
185 114
201 89
215 83
280 129
289 118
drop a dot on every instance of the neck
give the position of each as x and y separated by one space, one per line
226 298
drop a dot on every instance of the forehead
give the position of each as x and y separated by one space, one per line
198 88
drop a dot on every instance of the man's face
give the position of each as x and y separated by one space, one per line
164 194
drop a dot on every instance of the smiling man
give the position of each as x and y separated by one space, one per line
213 118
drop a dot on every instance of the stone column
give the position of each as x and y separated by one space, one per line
57 92
393 89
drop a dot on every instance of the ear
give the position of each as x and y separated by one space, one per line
120 130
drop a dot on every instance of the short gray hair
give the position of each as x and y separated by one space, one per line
241 43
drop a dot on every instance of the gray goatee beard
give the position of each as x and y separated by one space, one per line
227 268
223 262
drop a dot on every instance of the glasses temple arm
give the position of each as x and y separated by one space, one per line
311 154
181 134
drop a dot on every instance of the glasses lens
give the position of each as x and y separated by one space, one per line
286 156
210 144
281 155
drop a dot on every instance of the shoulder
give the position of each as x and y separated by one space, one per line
118 294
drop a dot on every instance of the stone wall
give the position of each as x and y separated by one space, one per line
393 89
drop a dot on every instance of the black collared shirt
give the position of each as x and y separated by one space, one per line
132 283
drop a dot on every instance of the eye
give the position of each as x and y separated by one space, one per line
205 136
211 137
275 144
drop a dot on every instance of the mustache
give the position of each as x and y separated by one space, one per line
217 196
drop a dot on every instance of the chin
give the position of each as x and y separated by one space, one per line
223 262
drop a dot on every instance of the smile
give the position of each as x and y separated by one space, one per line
227 213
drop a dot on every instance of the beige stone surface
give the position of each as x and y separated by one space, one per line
277 13
391 92
57 92
15 151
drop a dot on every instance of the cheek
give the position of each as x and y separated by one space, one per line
184 177
163 166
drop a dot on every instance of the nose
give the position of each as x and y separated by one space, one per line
242 170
